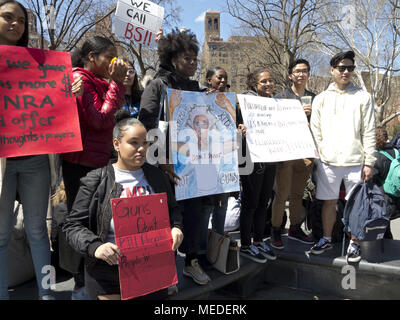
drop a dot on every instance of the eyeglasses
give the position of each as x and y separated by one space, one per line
298 72
343 68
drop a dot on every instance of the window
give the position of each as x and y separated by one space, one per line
209 24
215 24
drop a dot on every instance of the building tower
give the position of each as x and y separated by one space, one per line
212 26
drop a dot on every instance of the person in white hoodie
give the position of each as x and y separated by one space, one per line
343 125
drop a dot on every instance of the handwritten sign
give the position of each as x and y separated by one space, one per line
138 21
277 129
38 113
203 143
143 233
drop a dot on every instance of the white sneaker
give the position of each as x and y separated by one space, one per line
196 273
47 297
353 253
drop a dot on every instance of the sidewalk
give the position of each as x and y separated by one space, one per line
378 277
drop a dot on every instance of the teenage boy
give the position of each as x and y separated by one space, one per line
343 125
291 176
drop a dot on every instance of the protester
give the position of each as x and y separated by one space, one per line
343 125
217 80
96 240
257 186
96 109
133 92
177 52
291 176
30 176
381 170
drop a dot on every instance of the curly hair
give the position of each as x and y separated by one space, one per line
174 43
381 138
252 78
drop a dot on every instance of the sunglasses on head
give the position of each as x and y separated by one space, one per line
343 68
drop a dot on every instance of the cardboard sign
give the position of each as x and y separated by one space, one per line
277 129
138 21
143 233
203 143
38 113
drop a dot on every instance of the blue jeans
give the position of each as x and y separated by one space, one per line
31 177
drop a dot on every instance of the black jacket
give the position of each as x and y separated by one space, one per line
88 223
382 164
381 169
151 97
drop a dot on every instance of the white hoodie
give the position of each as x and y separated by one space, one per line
343 125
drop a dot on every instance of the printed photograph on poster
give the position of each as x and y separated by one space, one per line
38 112
203 143
277 129
138 21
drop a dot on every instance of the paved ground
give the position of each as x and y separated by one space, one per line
65 283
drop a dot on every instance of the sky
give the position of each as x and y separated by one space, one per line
193 13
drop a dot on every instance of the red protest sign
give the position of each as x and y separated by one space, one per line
38 113
143 233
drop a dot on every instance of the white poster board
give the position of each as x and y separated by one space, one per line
138 21
277 129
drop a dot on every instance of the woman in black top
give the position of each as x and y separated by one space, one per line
381 170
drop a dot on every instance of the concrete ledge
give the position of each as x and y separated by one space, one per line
324 273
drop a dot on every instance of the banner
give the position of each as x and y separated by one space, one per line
138 21
277 129
38 113
203 143
143 233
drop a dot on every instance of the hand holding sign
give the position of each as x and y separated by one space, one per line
77 87
177 238
108 252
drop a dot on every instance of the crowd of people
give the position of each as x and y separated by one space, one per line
115 114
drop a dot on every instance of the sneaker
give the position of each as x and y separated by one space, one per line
79 293
47 297
196 273
276 239
172 290
296 233
353 253
266 251
253 253
322 245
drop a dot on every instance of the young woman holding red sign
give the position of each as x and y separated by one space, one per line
30 176
89 226
94 62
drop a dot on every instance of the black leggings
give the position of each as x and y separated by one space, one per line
256 194
72 174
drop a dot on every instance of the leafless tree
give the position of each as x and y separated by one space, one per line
369 29
146 58
63 23
284 29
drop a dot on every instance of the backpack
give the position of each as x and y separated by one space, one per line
392 181
365 212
